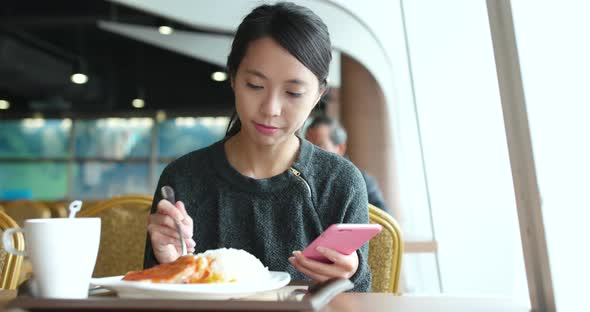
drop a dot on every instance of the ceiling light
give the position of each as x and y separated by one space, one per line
115 122
33 123
4 104
160 115
79 78
66 123
185 122
138 103
219 76
165 30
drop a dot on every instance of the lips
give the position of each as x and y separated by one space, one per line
265 129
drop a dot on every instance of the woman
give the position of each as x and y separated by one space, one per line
262 188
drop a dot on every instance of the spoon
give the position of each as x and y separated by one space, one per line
168 194
74 207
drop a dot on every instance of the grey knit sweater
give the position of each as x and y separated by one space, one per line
267 217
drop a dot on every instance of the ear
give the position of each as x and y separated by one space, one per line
321 93
232 81
341 149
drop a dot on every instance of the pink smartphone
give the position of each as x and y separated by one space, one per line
345 238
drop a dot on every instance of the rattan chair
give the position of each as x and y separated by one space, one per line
58 208
21 210
123 233
10 265
385 252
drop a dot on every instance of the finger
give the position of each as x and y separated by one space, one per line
167 221
163 231
333 256
186 218
160 220
152 228
332 270
309 273
166 208
164 220
183 218
191 244
160 241
165 236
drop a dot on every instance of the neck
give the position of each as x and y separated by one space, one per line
260 161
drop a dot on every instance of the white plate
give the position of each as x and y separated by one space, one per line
218 291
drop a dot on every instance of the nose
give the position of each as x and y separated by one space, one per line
271 105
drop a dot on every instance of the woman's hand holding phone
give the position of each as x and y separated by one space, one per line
333 253
343 266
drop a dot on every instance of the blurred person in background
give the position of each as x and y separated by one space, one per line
328 134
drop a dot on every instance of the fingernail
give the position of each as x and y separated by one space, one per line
321 249
291 259
296 252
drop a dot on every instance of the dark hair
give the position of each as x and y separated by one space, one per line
337 133
295 28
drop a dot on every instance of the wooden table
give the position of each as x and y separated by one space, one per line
350 302
5 296
378 302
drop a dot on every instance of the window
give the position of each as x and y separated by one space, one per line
554 59
465 154
33 158
53 159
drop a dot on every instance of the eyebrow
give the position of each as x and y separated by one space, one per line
261 75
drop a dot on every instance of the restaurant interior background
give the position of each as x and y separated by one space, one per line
413 81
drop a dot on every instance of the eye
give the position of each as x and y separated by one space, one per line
294 94
253 86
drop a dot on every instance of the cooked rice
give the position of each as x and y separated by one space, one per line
235 265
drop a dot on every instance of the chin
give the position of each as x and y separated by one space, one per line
261 139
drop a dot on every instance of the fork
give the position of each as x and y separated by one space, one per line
168 194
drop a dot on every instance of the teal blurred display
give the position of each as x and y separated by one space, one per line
160 168
34 138
109 156
44 181
179 136
116 138
96 180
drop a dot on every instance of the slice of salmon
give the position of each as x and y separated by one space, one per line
175 272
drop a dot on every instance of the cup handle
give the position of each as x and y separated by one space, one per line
7 241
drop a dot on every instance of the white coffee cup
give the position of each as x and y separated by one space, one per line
63 253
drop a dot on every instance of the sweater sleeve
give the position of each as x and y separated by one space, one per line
356 211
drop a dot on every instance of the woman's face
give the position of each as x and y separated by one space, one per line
274 92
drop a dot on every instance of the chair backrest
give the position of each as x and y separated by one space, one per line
123 233
385 252
58 208
21 210
10 264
